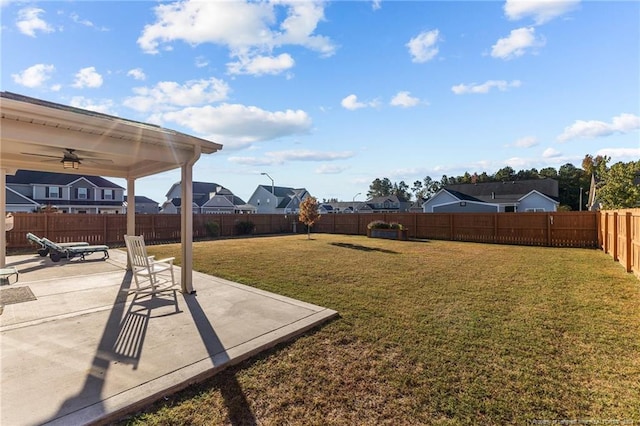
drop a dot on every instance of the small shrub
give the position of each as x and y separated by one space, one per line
213 229
396 225
378 224
245 227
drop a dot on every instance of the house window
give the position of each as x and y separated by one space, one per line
107 194
82 193
54 192
535 210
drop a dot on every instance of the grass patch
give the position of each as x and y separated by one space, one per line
430 333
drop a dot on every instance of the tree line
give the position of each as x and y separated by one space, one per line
618 186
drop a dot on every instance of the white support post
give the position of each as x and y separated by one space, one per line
3 214
131 210
186 233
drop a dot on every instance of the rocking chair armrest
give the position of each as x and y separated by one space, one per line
166 260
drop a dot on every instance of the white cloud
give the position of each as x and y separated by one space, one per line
264 27
259 65
526 142
352 103
87 23
330 169
34 76
620 154
423 47
376 4
137 74
551 153
623 123
473 88
516 43
238 126
169 94
87 77
29 21
103 106
201 62
404 99
540 10
281 157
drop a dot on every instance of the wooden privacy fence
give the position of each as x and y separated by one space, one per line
619 236
558 229
110 228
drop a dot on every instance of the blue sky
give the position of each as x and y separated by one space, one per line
331 95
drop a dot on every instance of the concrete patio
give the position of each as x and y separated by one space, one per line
87 351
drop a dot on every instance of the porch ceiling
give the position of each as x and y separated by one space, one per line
121 148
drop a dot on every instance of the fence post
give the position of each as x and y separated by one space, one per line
615 236
549 223
46 225
451 228
628 241
495 228
605 236
598 229
104 229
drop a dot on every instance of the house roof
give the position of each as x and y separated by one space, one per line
381 200
13 197
142 199
28 177
511 191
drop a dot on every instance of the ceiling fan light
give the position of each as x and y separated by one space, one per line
69 163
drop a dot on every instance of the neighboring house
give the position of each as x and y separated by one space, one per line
68 193
390 204
208 198
17 202
340 207
278 199
536 195
144 205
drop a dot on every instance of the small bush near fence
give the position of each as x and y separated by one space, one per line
381 224
245 227
213 229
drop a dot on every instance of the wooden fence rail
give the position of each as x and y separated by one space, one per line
558 229
617 232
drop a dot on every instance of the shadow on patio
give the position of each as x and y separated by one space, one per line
85 352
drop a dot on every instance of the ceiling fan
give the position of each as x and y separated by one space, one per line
71 160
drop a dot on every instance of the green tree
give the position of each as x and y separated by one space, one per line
548 172
527 174
401 190
619 189
309 213
380 188
572 181
505 174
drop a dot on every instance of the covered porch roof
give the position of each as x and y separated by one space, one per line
37 135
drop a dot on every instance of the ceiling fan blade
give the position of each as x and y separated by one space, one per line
97 160
41 155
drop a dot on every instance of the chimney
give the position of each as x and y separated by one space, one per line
493 195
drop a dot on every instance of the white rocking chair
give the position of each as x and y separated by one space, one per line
150 275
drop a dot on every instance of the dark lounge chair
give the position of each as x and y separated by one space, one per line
57 251
43 251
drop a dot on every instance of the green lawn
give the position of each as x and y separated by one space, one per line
432 332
